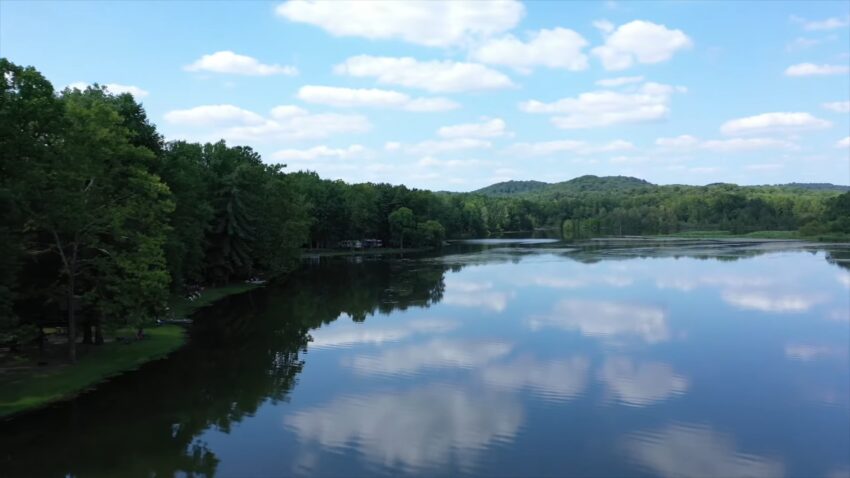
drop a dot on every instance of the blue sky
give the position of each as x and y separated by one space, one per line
458 95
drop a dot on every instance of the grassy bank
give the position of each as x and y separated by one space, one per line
360 252
35 387
29 386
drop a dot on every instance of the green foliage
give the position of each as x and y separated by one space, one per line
402 223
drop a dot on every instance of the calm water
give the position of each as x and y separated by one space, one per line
496 359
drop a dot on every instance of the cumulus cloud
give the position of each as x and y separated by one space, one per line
214 115
695 450
641 384
491 128
286 122
226 61
771 123
811 69
687 142
838 106
437 353
843 143
607 319
437 24
639 41
831 23
347 334
435 147
419 428
434 76
547 148
619 81
372 97
556 380
556 48
651 102
353 151
114 89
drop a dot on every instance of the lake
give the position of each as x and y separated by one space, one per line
496 358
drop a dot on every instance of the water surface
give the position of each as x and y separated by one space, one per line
498 358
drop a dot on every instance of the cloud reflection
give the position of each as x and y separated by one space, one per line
685 450
810 352
475 294
767 301
434 354
556 380
642 384
420 428
346 334
598 318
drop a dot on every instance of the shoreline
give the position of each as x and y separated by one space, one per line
35 387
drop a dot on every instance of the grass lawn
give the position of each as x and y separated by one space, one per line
35 387
24 387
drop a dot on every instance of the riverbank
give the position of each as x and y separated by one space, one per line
26 386
318 253
790 235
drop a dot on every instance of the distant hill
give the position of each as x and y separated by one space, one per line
592 183
815 187
510 188
576 185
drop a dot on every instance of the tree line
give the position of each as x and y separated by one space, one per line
101 218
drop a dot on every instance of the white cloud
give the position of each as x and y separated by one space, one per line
556 380
604 26
694 450
764 167
802 43
438 353
619 81
226 61
346 333
492 128
651 102
557 48
114 89
811 69
597 318
642 384
419 428
435 147
361 97
434 76
432 162
838 106
843 143
831 23
767 301
480 295
426 23
546 148
772 123
691 143
287 122
214 115
353 151
639 41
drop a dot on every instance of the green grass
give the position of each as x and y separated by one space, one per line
182 307
37 386
20 391
361 252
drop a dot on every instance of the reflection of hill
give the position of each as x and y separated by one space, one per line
242 353
626 248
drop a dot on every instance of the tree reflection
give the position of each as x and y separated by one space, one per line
243 352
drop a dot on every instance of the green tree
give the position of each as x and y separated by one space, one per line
402 223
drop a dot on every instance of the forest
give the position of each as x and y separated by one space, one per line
102 219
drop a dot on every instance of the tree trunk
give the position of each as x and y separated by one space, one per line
98 333
72 322
87 339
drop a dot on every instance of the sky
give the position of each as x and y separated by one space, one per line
458 95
